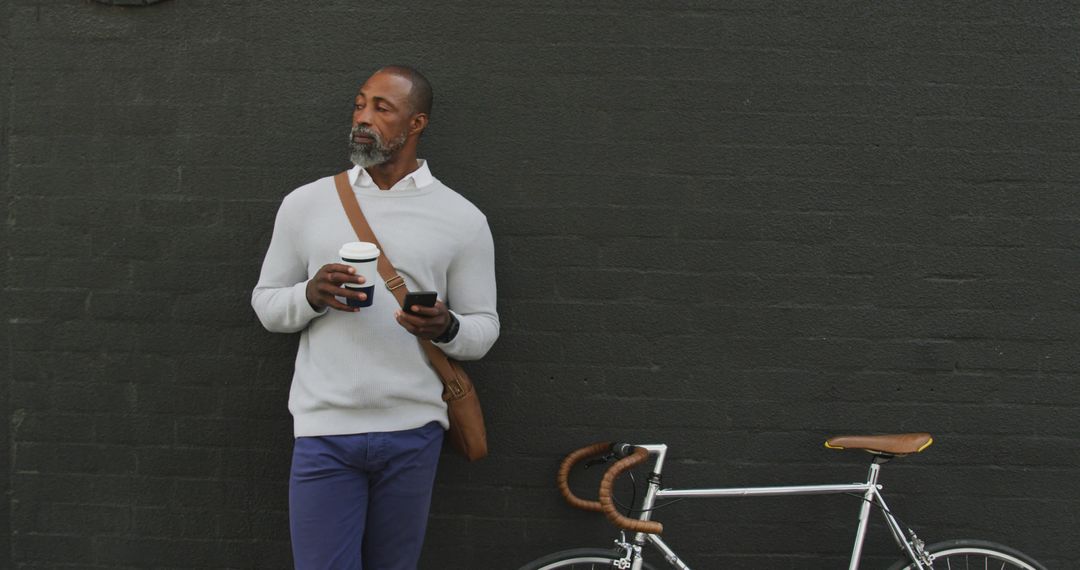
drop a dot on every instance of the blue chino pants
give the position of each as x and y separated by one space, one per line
360 502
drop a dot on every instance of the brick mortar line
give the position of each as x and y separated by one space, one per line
7 448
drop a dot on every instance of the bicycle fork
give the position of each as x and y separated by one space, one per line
632 558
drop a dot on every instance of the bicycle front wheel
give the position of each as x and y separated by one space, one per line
580 559
964 554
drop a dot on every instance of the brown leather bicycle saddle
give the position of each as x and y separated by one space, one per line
889 444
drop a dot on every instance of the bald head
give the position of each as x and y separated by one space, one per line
420 95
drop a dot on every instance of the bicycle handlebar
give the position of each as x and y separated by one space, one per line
563 478
634 459
631 457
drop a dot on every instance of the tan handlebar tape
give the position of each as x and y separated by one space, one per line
563 478
636 458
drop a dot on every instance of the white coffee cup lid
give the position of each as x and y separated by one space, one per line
359 250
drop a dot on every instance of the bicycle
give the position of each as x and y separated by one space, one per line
629 554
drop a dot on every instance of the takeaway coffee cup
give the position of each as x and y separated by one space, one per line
364 257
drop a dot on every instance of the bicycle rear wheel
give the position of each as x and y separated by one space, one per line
580 559
965 554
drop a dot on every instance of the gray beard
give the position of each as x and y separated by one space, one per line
378 152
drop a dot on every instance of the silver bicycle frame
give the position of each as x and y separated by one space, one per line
870 491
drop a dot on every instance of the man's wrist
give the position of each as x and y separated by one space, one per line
450 332
307 294
307 297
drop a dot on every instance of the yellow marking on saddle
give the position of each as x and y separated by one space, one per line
839 447
927 444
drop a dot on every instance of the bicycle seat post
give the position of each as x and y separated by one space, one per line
864 511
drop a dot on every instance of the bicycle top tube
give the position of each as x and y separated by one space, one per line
895 444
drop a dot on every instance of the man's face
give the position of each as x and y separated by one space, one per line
380 120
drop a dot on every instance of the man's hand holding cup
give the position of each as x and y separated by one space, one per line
328 283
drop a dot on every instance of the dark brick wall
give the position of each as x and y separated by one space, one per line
734 227
5 257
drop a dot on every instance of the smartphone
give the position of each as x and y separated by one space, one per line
422 298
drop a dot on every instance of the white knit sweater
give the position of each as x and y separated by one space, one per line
362 372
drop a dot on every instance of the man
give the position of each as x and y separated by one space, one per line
367 408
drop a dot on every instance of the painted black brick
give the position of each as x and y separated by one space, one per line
733 227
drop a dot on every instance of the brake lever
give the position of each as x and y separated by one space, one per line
599 460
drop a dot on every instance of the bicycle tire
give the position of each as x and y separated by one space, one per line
580 559
963 554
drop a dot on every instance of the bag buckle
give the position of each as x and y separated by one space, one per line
455 388
395 282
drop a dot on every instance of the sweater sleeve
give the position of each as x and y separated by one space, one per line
280 298
470 293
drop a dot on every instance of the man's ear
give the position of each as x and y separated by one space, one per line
418 123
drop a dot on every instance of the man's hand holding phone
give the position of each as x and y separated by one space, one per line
424 315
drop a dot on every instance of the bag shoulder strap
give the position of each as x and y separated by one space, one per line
394 282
